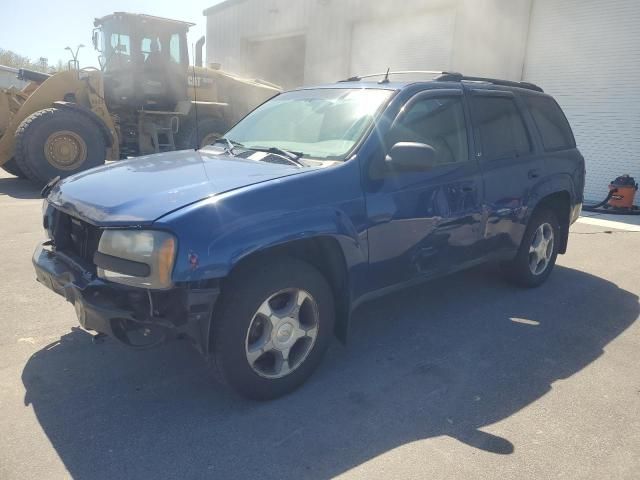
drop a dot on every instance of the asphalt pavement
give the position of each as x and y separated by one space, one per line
464 377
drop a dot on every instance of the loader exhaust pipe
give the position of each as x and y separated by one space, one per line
199 45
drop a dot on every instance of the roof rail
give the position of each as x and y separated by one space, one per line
446 77
458 77
387 74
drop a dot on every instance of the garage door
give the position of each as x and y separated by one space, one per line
587 54
422 42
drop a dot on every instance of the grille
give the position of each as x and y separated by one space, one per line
75 237
84 239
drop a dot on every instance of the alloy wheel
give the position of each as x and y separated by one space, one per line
282 333
541 249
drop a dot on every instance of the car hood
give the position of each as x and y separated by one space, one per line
141 190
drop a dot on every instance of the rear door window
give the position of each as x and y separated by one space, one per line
499 127
552 124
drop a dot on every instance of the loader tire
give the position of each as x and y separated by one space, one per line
12 167
209 130
55 142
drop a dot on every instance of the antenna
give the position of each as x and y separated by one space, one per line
195 101
386 76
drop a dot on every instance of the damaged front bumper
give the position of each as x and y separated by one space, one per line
137 317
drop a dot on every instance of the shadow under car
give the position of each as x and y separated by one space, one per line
445 358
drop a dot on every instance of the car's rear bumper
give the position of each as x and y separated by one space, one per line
134 316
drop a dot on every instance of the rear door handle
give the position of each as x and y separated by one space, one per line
534 173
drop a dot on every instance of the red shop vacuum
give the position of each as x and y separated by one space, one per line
622 192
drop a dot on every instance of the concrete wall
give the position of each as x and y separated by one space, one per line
489 35
229 30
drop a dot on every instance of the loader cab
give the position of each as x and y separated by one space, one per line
144 60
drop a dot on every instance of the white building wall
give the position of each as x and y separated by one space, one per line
491 37
230 29
488 36
586 53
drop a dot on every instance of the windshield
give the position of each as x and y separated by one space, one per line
322 123
123 46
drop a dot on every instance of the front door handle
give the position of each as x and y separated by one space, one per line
468 189
533 173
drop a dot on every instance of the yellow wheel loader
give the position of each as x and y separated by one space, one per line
144 99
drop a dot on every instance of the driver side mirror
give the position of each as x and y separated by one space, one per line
410 157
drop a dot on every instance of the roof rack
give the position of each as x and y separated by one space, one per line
447 77
386 74
458 77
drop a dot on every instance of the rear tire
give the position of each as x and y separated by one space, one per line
249 345
56 142
537 253
209 130
12 167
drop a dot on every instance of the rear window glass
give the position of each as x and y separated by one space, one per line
551 122
499 127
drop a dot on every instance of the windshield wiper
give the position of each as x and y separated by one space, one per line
229 145
293 156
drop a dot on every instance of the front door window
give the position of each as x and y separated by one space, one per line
438 122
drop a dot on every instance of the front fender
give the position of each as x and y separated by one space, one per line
250 236
217 233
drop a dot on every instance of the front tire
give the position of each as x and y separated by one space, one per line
273 327
56 142
538 251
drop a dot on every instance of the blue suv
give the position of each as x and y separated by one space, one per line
258 248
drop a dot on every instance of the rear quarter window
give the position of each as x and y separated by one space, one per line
551 123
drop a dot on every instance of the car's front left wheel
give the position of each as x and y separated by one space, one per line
272 328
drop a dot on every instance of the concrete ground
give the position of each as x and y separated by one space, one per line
466 377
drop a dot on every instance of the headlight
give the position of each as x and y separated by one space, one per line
140 258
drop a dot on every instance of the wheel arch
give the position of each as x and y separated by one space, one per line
559 202
325 253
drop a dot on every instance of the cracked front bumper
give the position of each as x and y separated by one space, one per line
134 316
